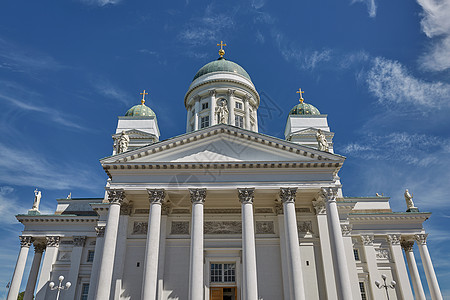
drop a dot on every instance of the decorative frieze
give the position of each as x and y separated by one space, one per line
25 241
287 195
78 241
156 196
223 227
179 227
367 240
346 229
100 231
264 227
263 211
143 211
407 245
197 195
319 206
393 239
302 210
421 238
382 253
304 227
53 241
140 228
246 195
116 196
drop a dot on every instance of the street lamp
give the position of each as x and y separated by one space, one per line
385 285
60 287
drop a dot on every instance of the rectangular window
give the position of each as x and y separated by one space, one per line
204 122
239 121
238 105
362 289
205 105
90 257
356 254
223 273
84 291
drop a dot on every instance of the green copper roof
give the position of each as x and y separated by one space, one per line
221 65
304 109
140 110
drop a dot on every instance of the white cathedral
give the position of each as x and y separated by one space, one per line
224 212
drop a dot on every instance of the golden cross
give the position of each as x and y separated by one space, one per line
221 51
301 96
143 97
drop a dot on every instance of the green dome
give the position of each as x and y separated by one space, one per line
221 65
304 109
140 110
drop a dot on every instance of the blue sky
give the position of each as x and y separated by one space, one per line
379 69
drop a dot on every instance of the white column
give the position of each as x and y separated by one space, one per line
121 249
284 264
51 251
352 270
75 259
247 112
116 198
197 112
287 196
248 245
325 249
198 197
255 116
100 230
34 271
413 270
188 121
231 106
212 103
403 286
25 243
162 256
372 267
149 285
433 284
337 245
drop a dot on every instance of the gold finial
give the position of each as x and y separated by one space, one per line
143 97
301 96
221 51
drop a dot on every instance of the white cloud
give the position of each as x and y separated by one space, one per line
23 166
371 6
391 83
436 25
101 2
8 205
109 90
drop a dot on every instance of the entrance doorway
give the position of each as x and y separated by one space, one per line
223 293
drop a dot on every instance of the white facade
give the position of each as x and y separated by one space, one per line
224 212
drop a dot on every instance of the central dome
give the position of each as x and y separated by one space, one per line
304 109
221 65
140 110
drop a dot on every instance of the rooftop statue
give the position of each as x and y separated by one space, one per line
37 199
322 141
122 142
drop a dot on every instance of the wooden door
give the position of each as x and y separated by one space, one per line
216 293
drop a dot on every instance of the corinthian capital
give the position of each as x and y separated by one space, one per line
329 193
78 241
53 241
156 196
100 231
288 194
393 239
198 195
246 195
421 238
212 92
407 245
116 196
25 241
367 240
319 206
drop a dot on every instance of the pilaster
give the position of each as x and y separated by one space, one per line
75 260
212 112
403 287
372 267
231 107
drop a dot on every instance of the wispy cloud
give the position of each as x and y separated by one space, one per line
15 58
101 2
371 6
16 96
111 91
436 25
8 205
391 83
23 166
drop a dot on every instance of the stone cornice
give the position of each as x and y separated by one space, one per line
355 217
56 219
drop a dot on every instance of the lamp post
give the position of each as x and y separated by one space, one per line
385 285
60 287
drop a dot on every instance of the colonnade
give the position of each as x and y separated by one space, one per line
102 269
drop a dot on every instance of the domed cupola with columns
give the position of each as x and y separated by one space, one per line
221 92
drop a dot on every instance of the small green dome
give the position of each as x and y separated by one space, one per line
221 65
140 110
304 109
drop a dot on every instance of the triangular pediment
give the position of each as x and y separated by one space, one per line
222 143
135 134
311 131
